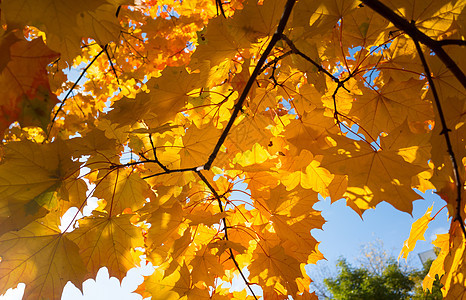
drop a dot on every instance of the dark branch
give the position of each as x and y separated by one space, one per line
112 66
219 5
274 61
298 52
170 171
416 34
155 155
239 104
75 84
445 131
452 42
225 230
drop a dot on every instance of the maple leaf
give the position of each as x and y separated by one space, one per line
275 269
26 96
180 102
418 230
170 92
174 286
385 109
206 267
385 173
66 22
29 175
108 241
42 257
122 189
437 268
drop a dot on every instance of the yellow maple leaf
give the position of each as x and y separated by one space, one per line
196 145
275 269
384 174
170 92
384 109
454 264
30 175
122 188
418 229
164 222
206 267
437 268
66 22
306 171
320 16
177 285
107 241
42 257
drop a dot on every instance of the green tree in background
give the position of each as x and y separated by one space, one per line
419 293
360 283
392 281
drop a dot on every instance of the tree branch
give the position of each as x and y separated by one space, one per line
104 49
274 61
445 131
452 42
298 52
416 34
239 104
225 230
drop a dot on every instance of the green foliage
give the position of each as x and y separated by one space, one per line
394 282
360 283
433 294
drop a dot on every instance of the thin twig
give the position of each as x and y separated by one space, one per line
445 131
171 171
298 52
239 104
72 88
274 61
225 230
155 154
112 66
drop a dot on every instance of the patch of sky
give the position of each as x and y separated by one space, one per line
92 289
352 52
144 37
287 105
240 193
171 13
128 155
351 132
132 24
339 69
238 285
370 77
73 74
189 47
376 144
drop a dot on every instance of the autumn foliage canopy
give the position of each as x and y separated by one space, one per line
159 109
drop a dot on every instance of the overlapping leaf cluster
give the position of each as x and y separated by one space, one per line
182 100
